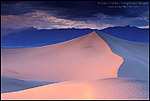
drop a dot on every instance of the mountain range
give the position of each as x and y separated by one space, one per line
32 37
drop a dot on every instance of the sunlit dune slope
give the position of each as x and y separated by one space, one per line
81 58
111 88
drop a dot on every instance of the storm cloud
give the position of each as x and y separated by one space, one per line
94 13
75 9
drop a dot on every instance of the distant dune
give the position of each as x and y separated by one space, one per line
110 89
85 57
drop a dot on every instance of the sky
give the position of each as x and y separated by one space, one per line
74 14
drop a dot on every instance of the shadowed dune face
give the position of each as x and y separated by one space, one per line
81 58
112 88
12 85
135 55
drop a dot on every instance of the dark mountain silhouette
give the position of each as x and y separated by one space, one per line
6 31
129 33
31 37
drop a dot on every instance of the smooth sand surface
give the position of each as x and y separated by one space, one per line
12 85
85 57
135 55
110 88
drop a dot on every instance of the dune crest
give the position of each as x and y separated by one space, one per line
85 57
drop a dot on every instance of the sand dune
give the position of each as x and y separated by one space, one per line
135 55
12 85
81 58
111 88
79 62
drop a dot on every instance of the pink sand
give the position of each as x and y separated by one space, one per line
85 57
